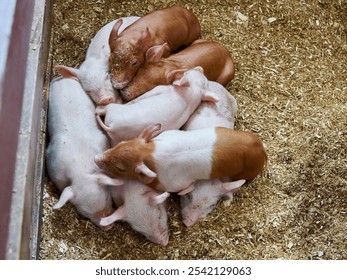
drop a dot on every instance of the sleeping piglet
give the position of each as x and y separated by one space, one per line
143 208
171 104
175 159
74 140
204 197
214 114
213 57
206 193
162 30
93 73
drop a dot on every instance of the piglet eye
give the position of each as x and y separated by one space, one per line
120 168
133 64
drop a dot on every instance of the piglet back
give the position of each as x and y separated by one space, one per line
237 154
72 128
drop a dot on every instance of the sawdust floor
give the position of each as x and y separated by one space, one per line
291 88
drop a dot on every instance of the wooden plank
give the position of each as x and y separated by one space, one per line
12 86
25 216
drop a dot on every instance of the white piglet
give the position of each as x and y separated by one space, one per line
204 197
74 140
93 73
171 105
206 193
210 115
141 207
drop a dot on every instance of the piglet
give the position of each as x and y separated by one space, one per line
213 57
206 193
74 140
143 208
162 31
204 197
208 114
93 73
175 159
171 104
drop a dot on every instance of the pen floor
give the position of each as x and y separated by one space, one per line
291 89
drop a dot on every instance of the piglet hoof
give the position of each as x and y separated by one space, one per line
106 228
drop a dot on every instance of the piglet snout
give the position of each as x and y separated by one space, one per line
125 95
162 240
107 100
190 220
118 85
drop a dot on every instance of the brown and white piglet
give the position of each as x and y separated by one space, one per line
175 159
213 57
163 30
206 193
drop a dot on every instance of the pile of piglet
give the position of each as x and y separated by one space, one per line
145 115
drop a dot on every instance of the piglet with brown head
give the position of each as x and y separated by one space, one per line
162 31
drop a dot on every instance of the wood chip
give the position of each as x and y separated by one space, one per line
241 16
271 19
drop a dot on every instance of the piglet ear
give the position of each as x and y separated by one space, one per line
146 175
102 53
105 180
232 186
175 75
149 132
155 199
209 96
199 68
155 53
145 40
68 72
114 31
117 215
65 196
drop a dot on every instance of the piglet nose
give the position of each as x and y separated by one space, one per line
164 240
118 85
107 100
125 95
188 222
